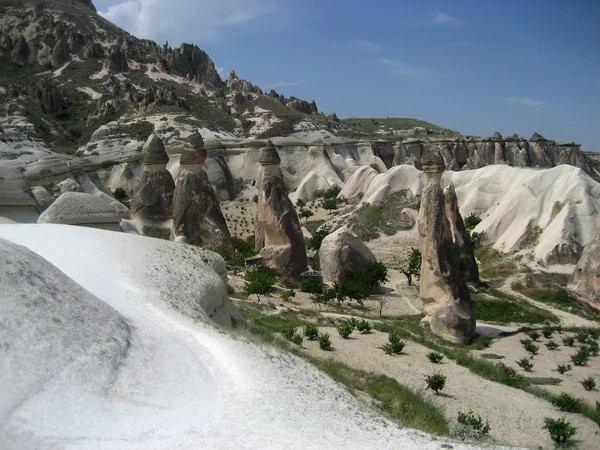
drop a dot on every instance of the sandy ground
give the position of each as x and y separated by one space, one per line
545 362
566 318
516 417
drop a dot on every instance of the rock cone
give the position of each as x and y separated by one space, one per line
446 300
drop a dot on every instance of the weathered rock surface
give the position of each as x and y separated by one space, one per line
152 201
460 236
584 284
475 153
278 233
116 61
446 300
42 198
77 208
42 312
197 216
340 251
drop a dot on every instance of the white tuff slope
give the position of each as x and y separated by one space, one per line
515 203
180 383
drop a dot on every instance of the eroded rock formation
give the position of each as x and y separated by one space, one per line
197 216
460 237
584 284
473 153
278 233
340 251
446 300
152 202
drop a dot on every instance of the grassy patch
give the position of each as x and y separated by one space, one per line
492 305
396 401
550 289
371 220
493 264
140 130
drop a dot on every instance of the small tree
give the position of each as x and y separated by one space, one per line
300 204
382 301
287 295
311 332
436 382
305 213
259 281
314 243
368 278
413 268
332 203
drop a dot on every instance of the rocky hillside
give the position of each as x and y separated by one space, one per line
77 92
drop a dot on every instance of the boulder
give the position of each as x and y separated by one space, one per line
460 237
278 234
42 198
197 216
446 300
16 206
77 208
340 251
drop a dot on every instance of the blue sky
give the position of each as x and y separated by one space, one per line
476 66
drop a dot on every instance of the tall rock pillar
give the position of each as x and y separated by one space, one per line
278 233
460 237
446 300
197 216
152 203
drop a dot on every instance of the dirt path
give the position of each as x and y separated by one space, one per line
516 417
566 319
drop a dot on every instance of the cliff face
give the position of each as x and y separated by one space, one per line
537 152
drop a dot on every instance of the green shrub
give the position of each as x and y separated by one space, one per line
593 346
287 295
331 192
296 339
367 278
589 383
288 332
345 329
525 364
560 430
474 423
435 382
551 345
582 336
563 368
330 204
363 327
534 335
471 221
311 285
566 402
569 341
547 332
435 357
324 341
314 243
531 348
581 358
311 332
395 344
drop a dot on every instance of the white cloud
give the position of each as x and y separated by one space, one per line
441 18
368 46
526 101
187 20
422 75
283 84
